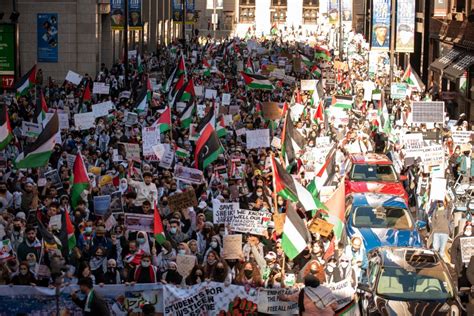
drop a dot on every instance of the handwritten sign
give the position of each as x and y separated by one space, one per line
73 77
270 304
232 248
180 201
100 88
84 121
151 137
30 129
253 222
103 108
462 137
321 227
185 264
467 248
259 138
139 222
225 99
223 213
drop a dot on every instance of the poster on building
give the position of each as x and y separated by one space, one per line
333 11
219 4
347 11
381 25
7 49
47 41
117 14
135 15
440 8
405 29
177 8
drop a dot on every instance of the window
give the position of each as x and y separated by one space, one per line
310 15
380 217
373 173
247 11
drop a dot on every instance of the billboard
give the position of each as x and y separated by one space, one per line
380 39
347 11
218 3
7 55
135 15
405 28
177 8
117 14
47 41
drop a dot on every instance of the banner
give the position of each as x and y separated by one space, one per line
343 291
139 222
117 14
188 175
380 39
347 11
405 28
333 11
269 303
177 8
135 15
47 37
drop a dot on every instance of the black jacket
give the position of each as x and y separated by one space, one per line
98 306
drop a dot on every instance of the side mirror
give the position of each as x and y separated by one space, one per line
364 287
403 177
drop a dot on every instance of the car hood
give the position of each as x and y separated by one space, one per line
378 237
394 188
409 308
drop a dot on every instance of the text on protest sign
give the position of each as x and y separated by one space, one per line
259 138
139 222
103 108
63 119
100 88
83 121
269 302
188 175
343 291
308 85
462 137
225 99
223 213
73 77
30 129
253 222
467 248
180 201
150 137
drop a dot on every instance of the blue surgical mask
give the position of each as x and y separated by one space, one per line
141 241
181 251
88 229
173 230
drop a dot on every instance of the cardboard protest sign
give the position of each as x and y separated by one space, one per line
103 108
101 204
258 138
100 88
279 221
211 94
253 222
53 177
188 175
462 137
139 222
116 205
73 77
232 246
30 129
321 227
271 110
180 201
269 302
55 222
84 121
223 213
467 248
308 85
185 264
150 138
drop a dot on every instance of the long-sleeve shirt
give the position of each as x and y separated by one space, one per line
144 192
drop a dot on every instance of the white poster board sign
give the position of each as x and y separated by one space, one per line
259 138
83 121
253 222
100 88
73 77
308 85
103 108
211 94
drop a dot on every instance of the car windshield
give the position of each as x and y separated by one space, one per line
384 173
381 217
414 284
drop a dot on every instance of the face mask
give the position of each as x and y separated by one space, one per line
248 273
259 193
145 264
211 261
330 269
213 244
182 251
173 230
141 241
468 232
32 264
344 264
88 229
17 228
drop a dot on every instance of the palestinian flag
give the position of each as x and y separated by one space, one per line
295 233
342 101
71 237
253 81
290 189
38 153
322 53
206 68
181 67
292 141
179 84
319 115
274 29
182 153
6 133
316 71
170 81
185 93
158 227
208 148
311 187
141 105
164 122
413 80
249 66
149 90
187 116
80 180
336 207
306 60
41 109
86 95
26 82
220 127
209 118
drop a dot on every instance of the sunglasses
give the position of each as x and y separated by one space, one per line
344 260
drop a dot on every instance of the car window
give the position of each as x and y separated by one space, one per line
380 217
373 173
373 271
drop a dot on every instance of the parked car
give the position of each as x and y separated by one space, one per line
408 281
373 173
381 220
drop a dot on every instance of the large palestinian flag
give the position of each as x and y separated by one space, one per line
80 180
295 233
413 80
6 133
290 189
292 141
164 121
253 81
208 148
187 115
141 104
26 82
38 153
158 230
41 109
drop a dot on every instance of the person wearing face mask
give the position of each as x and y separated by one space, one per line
214 245
346 271
175 235
440 223
145 272
30 244
98 264
171 276
221 273
456 256
112 276
24 276
210 264
331 271
167 255
196 276
92 304
249 276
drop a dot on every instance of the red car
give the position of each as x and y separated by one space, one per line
373 173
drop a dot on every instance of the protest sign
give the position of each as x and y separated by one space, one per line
101 204
185 264
103 108
30 129
73 77
139 222
53 177
201 110
6 250
100 88
161 149
225 99
116 202
467 248
271 110
438 189
188 175
130 151
232 246
70 160
150 138
180 201
279 221
211 94
110 222
55 222
253 222
125 95
84 121
276 142
223 213
398 91
321 227
241 131
63 119
198 90
428 111
270 303
131 118
308 85
462 137
167 159
259 138
343 291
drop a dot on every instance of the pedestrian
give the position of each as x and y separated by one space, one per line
91 303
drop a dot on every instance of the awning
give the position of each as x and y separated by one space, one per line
443 62
457 69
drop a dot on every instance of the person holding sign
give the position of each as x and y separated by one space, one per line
457 256
146 190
